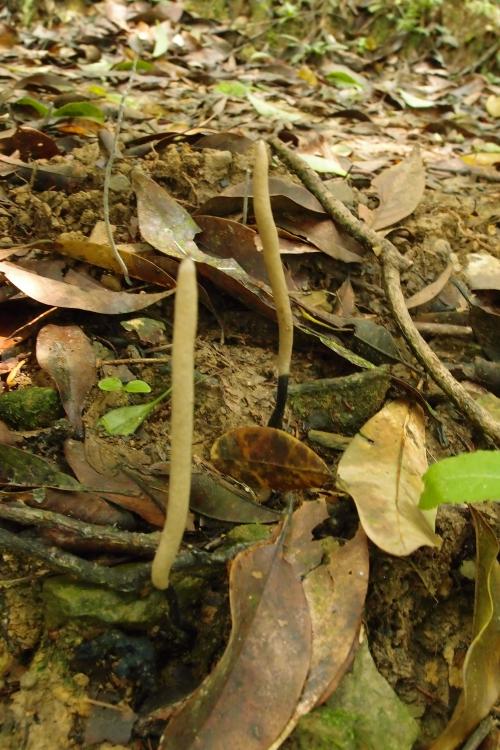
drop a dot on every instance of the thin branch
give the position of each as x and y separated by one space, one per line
120 578
392 262
108 172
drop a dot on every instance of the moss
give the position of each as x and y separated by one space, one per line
67 599
340 404
30 408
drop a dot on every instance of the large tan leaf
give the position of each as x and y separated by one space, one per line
267 458
400 189
252 692
382 470
481 670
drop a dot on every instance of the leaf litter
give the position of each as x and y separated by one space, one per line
52 193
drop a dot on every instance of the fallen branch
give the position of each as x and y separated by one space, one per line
392 262
120 578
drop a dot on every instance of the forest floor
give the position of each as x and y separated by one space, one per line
413 150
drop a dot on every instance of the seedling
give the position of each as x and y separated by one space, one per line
126 419
115 384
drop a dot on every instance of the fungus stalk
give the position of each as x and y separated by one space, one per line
181 431
272 258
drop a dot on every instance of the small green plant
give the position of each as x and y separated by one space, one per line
126 419
115 384
467 478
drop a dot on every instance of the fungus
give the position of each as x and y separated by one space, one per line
272 258
181 432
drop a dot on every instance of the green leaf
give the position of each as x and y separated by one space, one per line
28 101
232 88
468 478
142 66
110 384
161 37
80 109
343 79
126 419
138 386
273 111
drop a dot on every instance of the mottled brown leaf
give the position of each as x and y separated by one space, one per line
265 457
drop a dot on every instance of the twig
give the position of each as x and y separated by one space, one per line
480 734
111 539
442 329
135 361
392 262
121 578
107 176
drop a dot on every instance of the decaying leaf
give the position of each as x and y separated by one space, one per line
60 294
400 189
67 355
336 592
213 497
430 291
382 470
252 692
18 467
481 670
115 487
162 220
267 458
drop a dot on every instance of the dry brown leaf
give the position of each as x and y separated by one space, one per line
481 670
67 355
247 700
60 294
430 291
118 489
99 254
285 196
336 593
382 470
400 189
268 458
